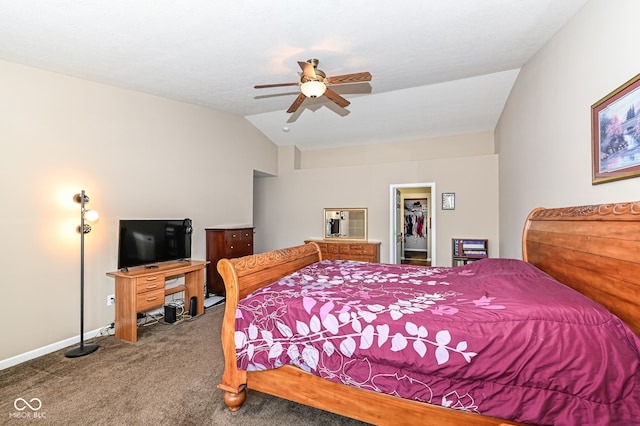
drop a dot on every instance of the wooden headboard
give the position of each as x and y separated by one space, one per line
593 249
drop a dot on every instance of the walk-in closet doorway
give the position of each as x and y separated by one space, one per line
412 227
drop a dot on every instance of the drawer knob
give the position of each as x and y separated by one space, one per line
149 299
150 286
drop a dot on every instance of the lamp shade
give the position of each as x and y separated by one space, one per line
313 89
91 215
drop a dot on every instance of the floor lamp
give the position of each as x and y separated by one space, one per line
88 215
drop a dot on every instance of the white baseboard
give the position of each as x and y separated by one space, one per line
15 360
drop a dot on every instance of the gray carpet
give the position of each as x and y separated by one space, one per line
168 377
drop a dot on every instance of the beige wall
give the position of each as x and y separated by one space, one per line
543 137
290 206
431 149
140 156
137 156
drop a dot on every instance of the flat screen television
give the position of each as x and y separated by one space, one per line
150 241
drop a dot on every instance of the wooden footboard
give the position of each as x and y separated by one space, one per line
292 383
243 276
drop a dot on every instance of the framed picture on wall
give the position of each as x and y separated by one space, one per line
615 134
448 201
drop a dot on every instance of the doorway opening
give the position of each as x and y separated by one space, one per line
412 226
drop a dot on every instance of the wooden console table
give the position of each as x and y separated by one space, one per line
142 288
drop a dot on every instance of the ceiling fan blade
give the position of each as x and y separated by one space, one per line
308 70
349 78
339 100
296 104
264 86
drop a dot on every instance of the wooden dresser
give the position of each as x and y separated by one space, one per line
225 243
364 251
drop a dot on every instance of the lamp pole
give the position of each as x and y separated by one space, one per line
83 349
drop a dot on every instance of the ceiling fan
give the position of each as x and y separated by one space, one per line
313 83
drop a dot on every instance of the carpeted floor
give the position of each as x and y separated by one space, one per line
168 377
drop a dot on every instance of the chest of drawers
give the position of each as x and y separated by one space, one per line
225 243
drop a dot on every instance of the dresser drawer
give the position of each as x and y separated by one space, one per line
369 250
149 299
239 235
246 234
352 249
239 242
149 283
241 248
333 248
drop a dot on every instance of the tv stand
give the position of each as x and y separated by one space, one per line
152 266
142 288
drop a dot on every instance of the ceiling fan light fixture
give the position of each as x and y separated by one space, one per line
313 89
313 83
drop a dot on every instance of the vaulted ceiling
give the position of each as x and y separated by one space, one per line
439 67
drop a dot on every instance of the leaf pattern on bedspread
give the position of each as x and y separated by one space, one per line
330 312
349 327
465 338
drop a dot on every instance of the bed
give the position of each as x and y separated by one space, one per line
595 250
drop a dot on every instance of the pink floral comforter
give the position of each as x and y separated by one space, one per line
496 337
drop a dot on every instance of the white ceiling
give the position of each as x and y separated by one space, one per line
439 67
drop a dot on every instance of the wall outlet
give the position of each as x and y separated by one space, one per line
111 299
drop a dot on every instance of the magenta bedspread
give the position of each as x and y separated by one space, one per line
497 337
